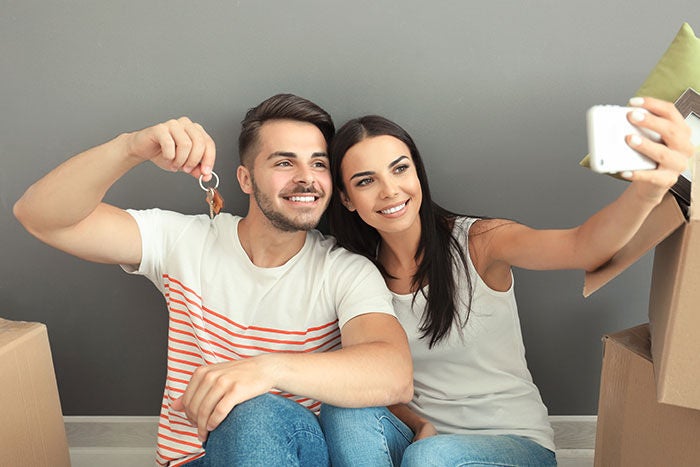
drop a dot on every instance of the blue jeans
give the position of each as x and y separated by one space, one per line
375 437
364 437
477 450
267 430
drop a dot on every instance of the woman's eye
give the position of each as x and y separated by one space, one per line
401 168
364 182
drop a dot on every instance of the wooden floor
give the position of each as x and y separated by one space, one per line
130 441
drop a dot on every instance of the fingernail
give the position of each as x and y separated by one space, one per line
206 170
187 169
637 116
626 174
635 140
636 101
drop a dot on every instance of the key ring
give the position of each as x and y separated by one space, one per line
216 183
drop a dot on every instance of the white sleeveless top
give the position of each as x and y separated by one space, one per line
475 381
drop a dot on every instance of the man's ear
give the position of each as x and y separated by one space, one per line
346 201
244 179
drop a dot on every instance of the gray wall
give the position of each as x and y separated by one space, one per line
494 93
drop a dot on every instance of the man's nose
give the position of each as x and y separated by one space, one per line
304 176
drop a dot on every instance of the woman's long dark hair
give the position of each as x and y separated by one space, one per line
438 249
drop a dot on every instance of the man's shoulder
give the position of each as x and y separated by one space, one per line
165 216
327 246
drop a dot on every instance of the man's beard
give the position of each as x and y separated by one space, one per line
278 219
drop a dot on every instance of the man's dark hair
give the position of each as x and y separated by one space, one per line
280 107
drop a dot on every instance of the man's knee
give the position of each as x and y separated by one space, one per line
268 430
265 413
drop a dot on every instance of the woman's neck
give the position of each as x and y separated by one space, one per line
397 253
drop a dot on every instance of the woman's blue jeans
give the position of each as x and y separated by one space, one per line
364 437
375 437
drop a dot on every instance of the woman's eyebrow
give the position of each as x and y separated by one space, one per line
398 159
370 172
362 174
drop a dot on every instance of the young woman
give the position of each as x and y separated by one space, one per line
474 402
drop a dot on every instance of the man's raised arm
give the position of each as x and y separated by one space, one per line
65 210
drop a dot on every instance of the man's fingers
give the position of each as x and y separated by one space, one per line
165 140
222 409
206 165
183 143
178 404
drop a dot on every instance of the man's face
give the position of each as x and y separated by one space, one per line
290 177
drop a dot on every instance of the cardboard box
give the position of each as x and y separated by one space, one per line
32 432
633 428
674 299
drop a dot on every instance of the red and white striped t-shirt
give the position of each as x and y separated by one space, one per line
222 307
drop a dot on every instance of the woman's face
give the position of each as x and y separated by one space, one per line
382 185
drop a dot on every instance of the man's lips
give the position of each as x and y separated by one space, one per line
301 198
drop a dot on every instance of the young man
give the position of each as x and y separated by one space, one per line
267 317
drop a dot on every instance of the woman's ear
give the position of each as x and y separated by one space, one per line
346 201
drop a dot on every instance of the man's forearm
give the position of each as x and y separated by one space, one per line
369 374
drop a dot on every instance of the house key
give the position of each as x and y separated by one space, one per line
214 199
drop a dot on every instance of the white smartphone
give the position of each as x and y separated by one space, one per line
607 128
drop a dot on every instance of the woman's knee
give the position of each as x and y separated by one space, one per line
340 418
436 450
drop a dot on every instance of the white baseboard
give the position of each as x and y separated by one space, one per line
91 433
574 431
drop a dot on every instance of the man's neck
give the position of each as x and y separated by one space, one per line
267 246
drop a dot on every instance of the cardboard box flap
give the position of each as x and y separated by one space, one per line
9 331
663 220
636 339
694 214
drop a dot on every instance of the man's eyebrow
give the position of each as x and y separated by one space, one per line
290 155
370 172
293 155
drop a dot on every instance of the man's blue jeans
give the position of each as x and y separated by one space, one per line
270 430
267 430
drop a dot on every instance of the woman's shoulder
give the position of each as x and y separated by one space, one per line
478 226
484 225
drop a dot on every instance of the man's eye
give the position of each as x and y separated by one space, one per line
320 165
283 164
